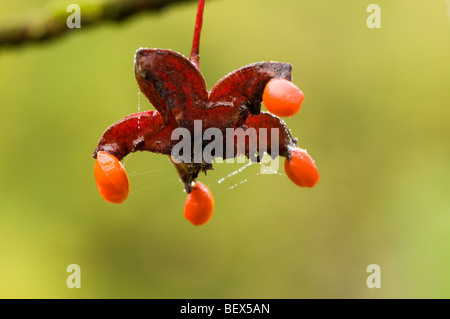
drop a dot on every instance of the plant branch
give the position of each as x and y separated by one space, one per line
53 24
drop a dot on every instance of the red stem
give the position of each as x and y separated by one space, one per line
195 58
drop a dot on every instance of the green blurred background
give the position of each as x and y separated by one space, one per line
375 119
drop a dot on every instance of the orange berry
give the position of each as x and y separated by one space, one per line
282 97
300 168
111 178
199 205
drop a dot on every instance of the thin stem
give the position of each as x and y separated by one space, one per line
195 58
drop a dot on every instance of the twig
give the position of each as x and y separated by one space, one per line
53 24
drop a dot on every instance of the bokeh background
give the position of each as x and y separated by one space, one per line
375 119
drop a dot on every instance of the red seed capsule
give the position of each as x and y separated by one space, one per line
111 178
300 168
199 205
282 97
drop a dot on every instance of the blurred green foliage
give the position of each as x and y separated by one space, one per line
375 119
